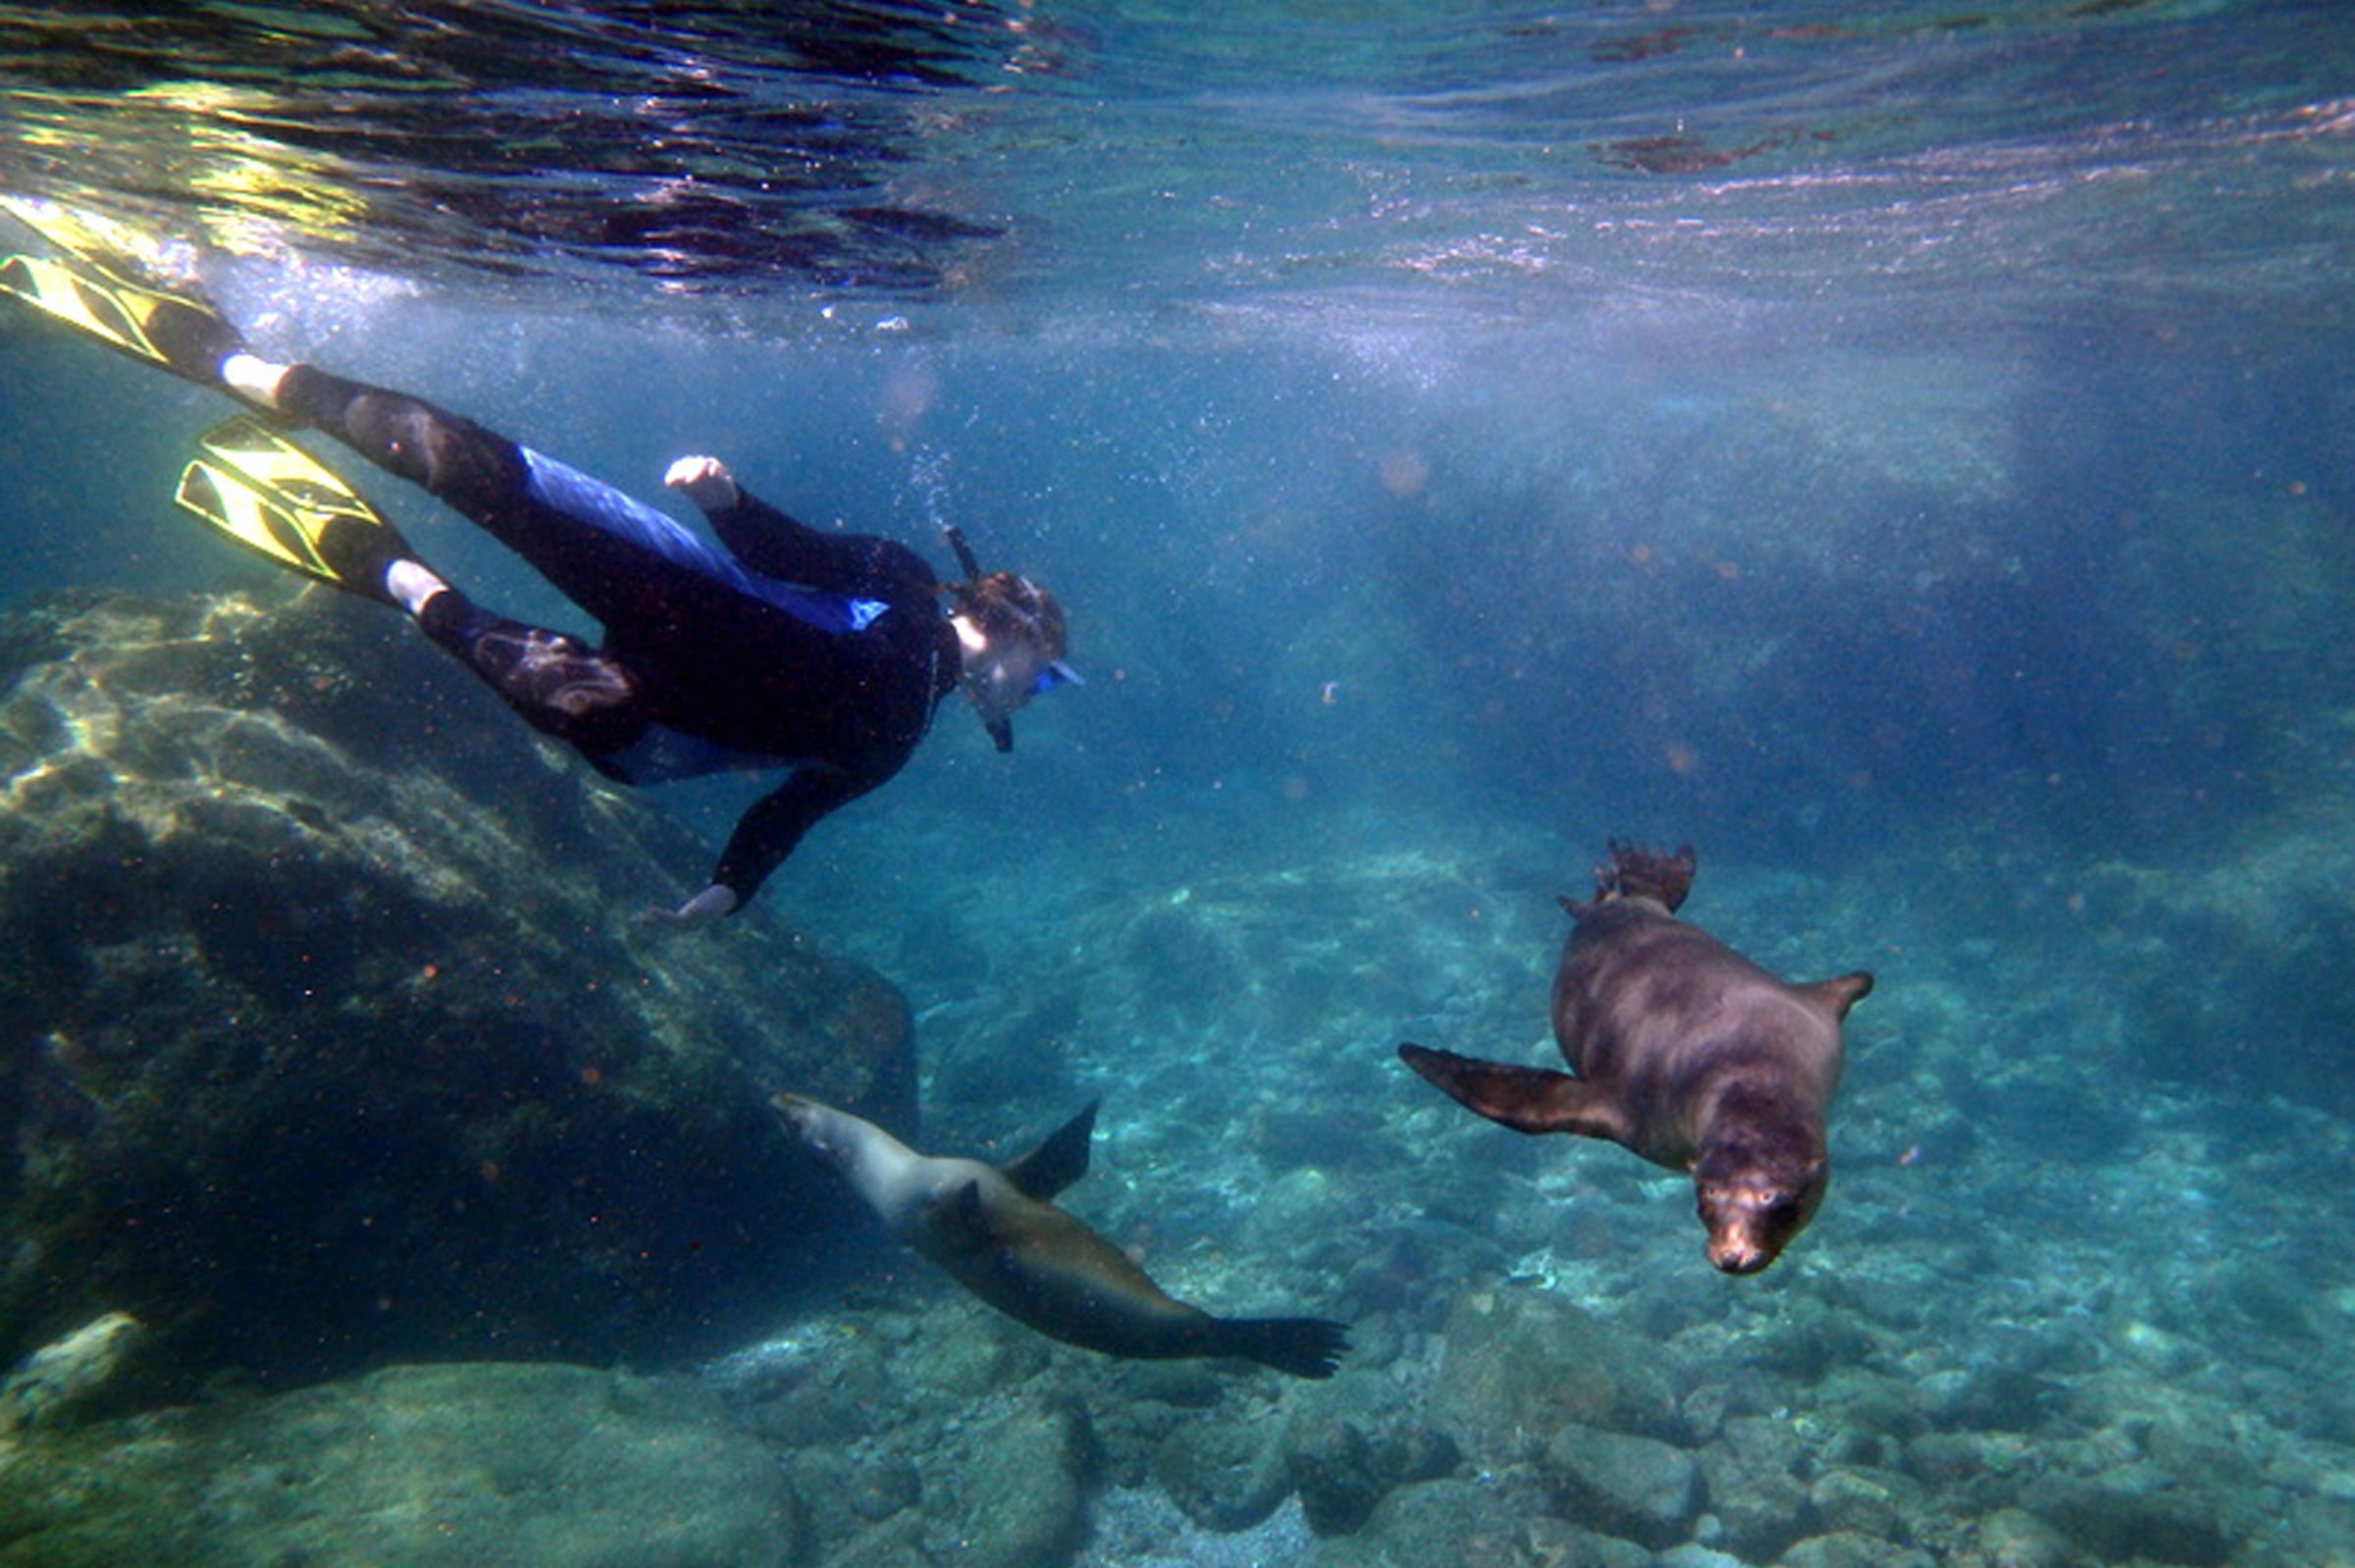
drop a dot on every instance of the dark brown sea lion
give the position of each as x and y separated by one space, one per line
1685 1052
994 1230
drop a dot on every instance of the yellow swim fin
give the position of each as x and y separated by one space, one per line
278 500
107 286
89 237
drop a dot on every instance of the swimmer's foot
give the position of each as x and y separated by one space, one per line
559 683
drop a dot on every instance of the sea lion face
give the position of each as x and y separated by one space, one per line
1754 1201
820 1128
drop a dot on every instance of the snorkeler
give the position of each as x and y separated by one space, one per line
824 653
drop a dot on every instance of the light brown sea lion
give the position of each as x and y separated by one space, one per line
1684 1051
994 1230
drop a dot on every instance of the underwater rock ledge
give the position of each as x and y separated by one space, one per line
331 1035
487 1462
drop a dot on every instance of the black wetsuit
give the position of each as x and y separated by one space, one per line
824 653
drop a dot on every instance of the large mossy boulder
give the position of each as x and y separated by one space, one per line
411 1467
2235 956
331 1032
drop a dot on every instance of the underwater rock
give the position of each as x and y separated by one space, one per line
2222 960
897 1543
1991 1396
1345 1459
1636 1488
850 1488
893 1472
561 1467
1940 424
1848 1548
824 1377
59 1379
1691 1554
2135 1510
1143 1403
1467 1523
1858 1499
1758 1503
1020 1489
331 1035
969 1352
1557 1544
1139 1528
1975 1469
1874 1413
1809 1340
2013 1537
1226 1475
1394 1273
1521 1364
1334 1470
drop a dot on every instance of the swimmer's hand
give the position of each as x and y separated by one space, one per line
699 910
705 481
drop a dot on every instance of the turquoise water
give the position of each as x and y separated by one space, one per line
1901 452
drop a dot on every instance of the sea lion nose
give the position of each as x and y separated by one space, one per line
1738 1257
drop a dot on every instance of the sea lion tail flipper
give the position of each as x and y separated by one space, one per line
1837 995
1525 1099
1305 1348
1633 871
1057 1162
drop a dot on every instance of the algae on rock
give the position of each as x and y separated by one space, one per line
333 1036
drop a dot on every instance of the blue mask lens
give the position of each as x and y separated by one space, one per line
1056 674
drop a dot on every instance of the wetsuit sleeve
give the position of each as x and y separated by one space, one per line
767 833
776 545
768 541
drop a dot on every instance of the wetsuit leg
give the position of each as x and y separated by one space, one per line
475 470
561 685
632 567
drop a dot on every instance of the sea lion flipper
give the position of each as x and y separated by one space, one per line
1057 1162
1633 871
1836 996
1305 1348
1525 1099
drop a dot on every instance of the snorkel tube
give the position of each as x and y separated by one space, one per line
967 562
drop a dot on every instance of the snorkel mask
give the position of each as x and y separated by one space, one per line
1020 627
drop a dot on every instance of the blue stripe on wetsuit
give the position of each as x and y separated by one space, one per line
599 506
